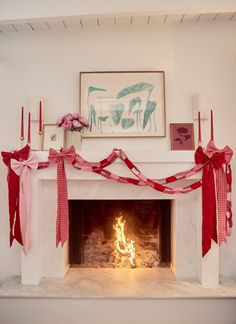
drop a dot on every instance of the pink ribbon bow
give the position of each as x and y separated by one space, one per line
22 169
62 225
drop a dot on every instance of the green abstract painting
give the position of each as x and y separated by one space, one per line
123 104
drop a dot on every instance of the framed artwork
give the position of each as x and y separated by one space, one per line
182 136
123 104
53 137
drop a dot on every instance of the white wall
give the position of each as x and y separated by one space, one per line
197 58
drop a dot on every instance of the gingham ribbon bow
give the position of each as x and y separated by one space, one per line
23 169
62 224
223 188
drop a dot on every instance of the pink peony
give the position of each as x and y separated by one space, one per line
72 122
69 117
83 121
67 125
76 124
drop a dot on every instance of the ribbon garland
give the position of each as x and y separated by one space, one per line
62 224
211 161
13 192
22 169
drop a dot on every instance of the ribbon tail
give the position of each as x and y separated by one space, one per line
221 185
209 230
213 204
13 200
206 220
229 200
25 209
62 225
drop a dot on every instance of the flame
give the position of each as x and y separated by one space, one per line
124 247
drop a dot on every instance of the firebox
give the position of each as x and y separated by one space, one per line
120 233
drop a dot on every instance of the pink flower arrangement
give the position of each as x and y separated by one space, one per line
72 122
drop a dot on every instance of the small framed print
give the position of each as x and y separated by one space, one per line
182 136
53 137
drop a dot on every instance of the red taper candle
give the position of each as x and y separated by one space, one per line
22 124
199 128
28 141
212 127
40 117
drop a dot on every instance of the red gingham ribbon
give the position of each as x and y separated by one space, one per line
209 222
13 192
223 189
62 226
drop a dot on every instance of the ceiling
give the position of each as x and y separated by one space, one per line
86 22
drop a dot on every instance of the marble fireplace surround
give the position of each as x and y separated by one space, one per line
45 260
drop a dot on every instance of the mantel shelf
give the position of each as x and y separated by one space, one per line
138 156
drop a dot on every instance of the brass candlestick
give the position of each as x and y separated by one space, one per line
22 141
40 140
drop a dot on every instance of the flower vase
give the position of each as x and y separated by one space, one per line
73 138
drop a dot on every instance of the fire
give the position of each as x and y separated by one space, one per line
124 247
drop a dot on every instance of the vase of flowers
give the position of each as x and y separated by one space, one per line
73 124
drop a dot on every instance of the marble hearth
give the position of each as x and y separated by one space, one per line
45 260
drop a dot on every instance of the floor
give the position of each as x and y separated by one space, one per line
118 283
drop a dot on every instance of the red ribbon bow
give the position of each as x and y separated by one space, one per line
13 192
62 226
209 223
216 160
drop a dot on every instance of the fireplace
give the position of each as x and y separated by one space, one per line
93 233
47 260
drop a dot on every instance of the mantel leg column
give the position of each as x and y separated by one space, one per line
210 266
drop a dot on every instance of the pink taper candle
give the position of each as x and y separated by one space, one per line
40 117
28 141
212 127
22 123
199 128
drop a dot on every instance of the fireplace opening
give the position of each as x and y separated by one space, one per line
120 233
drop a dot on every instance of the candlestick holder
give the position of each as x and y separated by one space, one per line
40 133
22 141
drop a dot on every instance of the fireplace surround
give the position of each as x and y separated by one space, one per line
45 260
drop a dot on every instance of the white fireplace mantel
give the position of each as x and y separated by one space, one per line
45 260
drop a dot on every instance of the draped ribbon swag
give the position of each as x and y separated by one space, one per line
210 161
23 170
13 192
62 224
